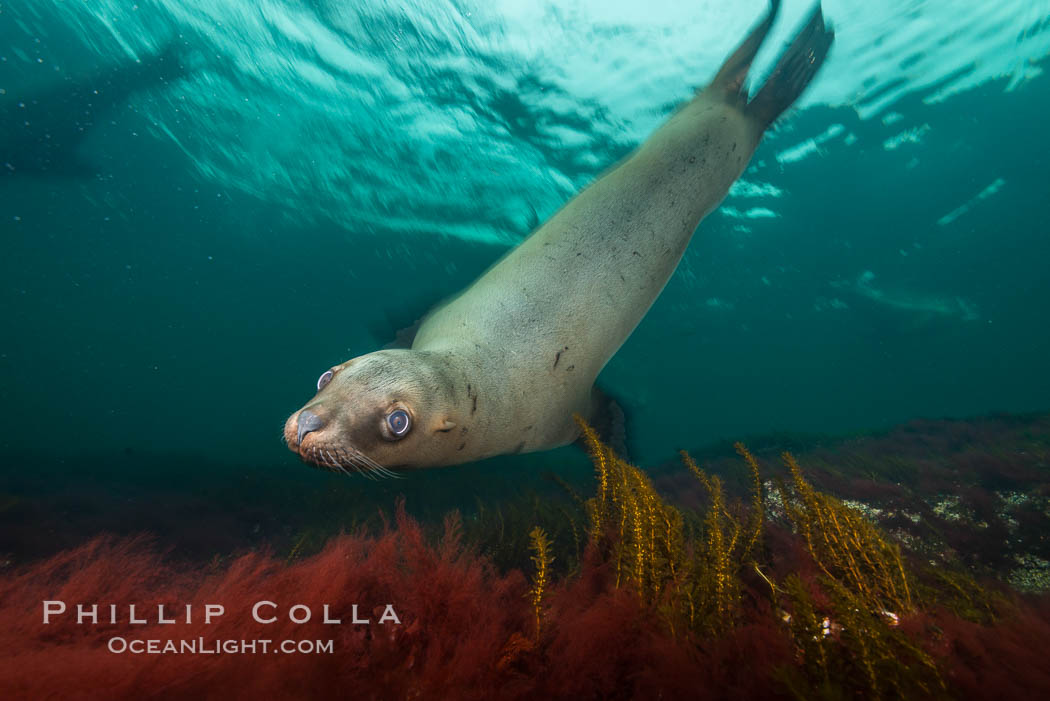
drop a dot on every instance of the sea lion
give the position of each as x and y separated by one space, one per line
504 366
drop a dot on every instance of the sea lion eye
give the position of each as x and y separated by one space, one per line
399 422
324 379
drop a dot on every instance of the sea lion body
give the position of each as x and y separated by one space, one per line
541 324
512 358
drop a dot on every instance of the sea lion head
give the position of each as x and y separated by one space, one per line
387 409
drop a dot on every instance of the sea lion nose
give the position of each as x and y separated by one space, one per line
307 422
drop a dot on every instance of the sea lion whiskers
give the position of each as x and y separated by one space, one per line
367 465
352 459
338 467
363 464
332 462
360 467
335 461
376 467
320 459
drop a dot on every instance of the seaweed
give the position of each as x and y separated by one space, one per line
845 623
502 532
848 548
786 592
542 559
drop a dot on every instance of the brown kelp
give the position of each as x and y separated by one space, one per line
844 623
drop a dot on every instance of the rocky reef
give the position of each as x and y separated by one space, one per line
880 567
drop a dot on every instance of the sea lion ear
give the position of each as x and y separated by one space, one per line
445 426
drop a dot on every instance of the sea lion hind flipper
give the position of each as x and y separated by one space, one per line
609 421
794 71
733 73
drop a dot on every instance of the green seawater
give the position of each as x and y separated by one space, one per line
177 272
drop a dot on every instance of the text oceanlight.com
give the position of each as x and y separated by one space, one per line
200 646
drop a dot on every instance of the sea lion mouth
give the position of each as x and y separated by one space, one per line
347 461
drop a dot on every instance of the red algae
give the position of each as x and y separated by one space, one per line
1003 661
454 638
455 615
400 614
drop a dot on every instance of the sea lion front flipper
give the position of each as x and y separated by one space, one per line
398 333
609 421
404 337
399 325
404 333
